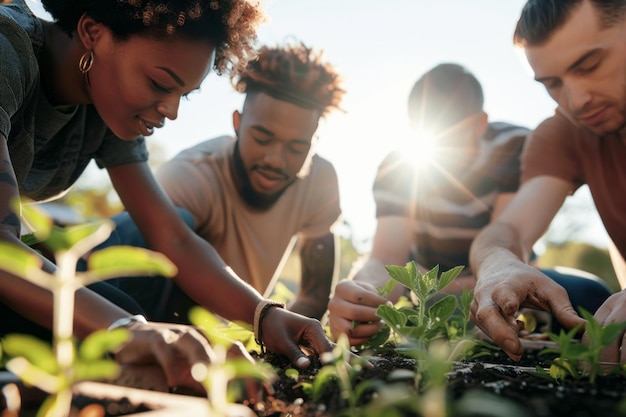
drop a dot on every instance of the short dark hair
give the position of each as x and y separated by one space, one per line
228 25
444 96
540 18
294 73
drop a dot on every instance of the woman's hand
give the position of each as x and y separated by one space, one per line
174 347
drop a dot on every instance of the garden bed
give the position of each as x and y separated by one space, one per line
492 386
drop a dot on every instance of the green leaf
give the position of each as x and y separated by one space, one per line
34 217
242 368
49 407
292 373
386 289
99 343
391 316
380 338
33 376
96 369
401 274
64 238
35 351
17 260
443 309
117 261
211 326
323 378
428 283
448 276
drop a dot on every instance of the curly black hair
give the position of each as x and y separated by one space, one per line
293 73
229 25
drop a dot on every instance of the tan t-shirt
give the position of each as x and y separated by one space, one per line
559 148
251 242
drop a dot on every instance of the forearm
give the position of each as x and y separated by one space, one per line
318 275
204 276
497 246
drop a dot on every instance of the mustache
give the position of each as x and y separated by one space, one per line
267 168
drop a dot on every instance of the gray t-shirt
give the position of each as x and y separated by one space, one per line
49 147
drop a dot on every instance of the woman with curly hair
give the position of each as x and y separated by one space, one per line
93 84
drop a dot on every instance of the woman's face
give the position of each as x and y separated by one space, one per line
137 83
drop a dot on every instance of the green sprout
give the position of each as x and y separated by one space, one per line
56 369
217 376
576 359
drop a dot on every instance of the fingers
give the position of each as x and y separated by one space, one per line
613 310
284 332
494 313
175 348
362 293
352 311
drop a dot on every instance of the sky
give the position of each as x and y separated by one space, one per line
381 48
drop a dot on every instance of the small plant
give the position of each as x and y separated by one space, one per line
339 368
56 369
576 359
218 375
420 323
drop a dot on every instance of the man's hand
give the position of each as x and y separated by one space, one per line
287 333
613 310
502 290
353 311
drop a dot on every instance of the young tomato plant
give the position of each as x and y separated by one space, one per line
583 359
56 371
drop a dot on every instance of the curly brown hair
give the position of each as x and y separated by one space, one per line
229 25
541 18
293 73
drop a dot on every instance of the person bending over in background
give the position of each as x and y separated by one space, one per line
430 209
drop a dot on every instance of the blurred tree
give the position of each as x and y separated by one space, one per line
582 256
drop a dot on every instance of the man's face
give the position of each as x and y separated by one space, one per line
583 67
275 139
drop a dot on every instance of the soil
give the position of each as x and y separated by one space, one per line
489 387
492 386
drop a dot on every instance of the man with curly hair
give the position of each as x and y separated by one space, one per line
254 194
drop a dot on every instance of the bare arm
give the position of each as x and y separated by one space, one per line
319 272
619 265
92 312
202 273
498 257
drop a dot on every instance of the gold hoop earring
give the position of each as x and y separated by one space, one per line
85 62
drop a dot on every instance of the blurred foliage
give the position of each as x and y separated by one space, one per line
581 256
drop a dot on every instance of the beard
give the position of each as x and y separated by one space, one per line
252 197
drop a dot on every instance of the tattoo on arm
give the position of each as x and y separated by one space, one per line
317 257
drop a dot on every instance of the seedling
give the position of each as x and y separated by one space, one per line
583 359
222 370
342 370
33 363
421 323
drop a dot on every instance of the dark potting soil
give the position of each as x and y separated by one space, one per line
492 386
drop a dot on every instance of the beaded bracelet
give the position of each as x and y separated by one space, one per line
259 313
